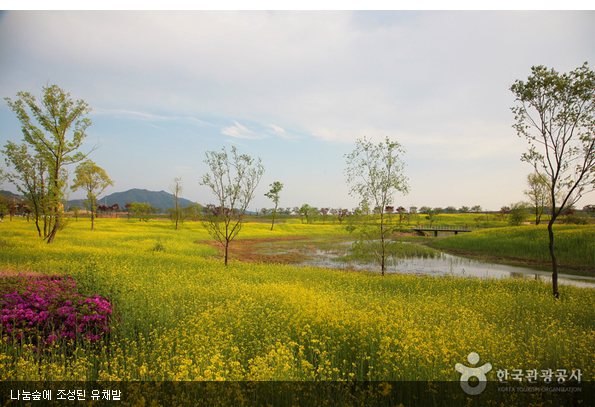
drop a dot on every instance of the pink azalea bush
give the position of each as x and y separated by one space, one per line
43 310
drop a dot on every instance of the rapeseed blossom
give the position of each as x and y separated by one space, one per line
185 317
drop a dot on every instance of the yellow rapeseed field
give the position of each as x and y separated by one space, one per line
186 317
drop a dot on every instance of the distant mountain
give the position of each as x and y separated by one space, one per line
10 195
162 200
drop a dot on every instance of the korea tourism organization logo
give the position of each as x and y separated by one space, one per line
518 380
469 372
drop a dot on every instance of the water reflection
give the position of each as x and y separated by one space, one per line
444 264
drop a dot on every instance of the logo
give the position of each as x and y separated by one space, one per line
469 372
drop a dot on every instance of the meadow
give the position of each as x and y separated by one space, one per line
183 316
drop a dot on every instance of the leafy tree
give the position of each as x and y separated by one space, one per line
375 174
401 211
75 212
312 214
464 209
450 209
476 209
193 211
273 194
12 209
571 217
504 212
143 210
176 189
432 216
103 209
115 208
518 213
425 209
30 176
538 194
478 220
4 204
307 212
412 217
128 210
93 179
340 213
233 181
556 115
57 115
324 212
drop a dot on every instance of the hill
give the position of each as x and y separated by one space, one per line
161 199
11 196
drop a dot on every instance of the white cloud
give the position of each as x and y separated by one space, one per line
239 131
280 132
148 117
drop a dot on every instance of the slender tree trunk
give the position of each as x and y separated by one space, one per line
93 206
55 195
36 210
177 210
383 248
37 225
274 213
553 256
226 247
53 232
45 223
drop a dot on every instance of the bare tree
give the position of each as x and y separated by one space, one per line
176 189
556 115
233 181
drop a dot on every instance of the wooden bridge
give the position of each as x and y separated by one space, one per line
436 229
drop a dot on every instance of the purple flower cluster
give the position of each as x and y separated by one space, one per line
43 310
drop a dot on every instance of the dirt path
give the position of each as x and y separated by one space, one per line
250 250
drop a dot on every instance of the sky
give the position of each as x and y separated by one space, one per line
296 89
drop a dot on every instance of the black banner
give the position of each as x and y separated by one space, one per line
294 393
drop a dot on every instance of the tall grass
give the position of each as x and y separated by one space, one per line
574 245
184 316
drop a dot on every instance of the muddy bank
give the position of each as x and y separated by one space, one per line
259 250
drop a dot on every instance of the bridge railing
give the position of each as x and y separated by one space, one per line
444 227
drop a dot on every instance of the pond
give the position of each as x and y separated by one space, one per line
439 265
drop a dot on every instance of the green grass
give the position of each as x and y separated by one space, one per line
184 316
574 245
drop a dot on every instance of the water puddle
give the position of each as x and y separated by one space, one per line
440 265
